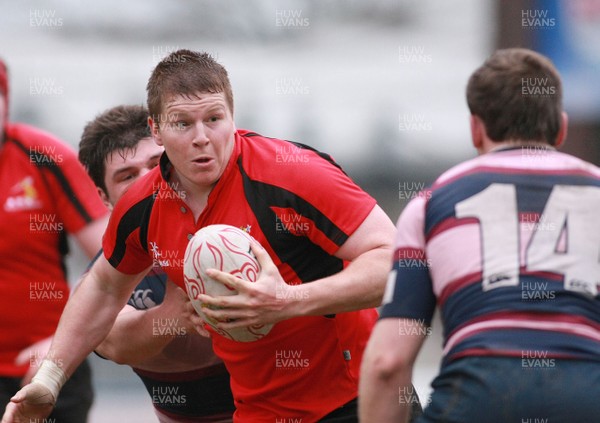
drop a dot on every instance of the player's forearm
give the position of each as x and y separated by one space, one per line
360 285
382 376
139 335
83 325
379 397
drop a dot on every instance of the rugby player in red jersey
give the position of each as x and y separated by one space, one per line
319 283
153 333
45 195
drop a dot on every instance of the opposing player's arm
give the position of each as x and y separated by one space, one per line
360 285
386 370
138 335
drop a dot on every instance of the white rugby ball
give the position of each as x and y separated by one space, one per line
225 248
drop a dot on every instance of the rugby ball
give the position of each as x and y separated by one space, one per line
225 248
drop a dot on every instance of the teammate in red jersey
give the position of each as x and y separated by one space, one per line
184 378
507 245
320 281
45 194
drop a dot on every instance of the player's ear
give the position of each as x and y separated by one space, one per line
561 136
477 132
104 198
154 131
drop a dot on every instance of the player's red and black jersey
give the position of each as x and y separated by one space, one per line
45 195
508 245
301 207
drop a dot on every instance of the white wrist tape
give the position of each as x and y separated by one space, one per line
51 376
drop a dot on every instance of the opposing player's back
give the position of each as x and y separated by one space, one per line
525 260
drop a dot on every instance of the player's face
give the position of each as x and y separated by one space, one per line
198 135
123 167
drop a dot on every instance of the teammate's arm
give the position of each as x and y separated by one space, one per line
360 285
386 370
90 236
85 322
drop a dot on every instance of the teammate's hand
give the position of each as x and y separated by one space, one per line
268 300
32 402
33 355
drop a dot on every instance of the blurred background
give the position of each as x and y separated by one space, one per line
379 85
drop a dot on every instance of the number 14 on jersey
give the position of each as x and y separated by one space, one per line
571 216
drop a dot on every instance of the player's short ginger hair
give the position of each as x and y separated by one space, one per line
186 73
118 129
517 93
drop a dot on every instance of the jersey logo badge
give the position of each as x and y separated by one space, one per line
23 196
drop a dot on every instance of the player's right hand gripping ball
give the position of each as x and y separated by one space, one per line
225 248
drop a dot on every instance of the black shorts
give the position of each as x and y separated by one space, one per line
348 413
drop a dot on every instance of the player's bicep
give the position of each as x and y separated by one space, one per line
111 281
376 231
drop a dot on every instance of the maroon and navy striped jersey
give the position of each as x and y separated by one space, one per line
508 246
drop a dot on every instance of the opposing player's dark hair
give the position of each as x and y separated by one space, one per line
186 73
117 129
518 95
